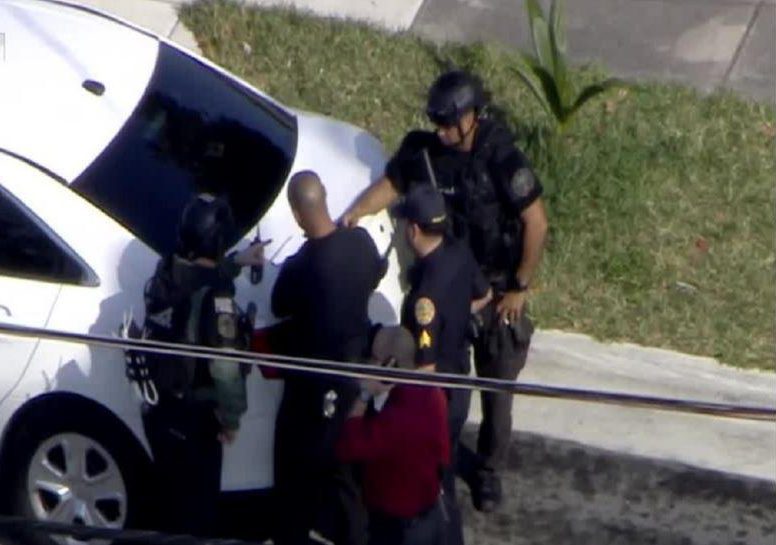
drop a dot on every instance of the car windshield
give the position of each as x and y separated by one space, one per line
194 130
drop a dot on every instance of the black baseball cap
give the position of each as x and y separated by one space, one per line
423 205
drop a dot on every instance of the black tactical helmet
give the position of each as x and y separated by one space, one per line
205 227
452 95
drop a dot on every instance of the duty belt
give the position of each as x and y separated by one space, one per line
499 280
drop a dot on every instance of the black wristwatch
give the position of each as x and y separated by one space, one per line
520 286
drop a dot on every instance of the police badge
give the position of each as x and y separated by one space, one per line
424 311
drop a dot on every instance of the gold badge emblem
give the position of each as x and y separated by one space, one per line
425 340
424 311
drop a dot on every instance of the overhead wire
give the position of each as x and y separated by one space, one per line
402 376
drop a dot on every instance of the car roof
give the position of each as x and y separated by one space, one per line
51 54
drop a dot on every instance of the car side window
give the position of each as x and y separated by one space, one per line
27 250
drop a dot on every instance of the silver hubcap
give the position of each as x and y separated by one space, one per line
74 480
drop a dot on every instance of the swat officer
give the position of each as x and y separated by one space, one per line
190 299
494 200
446 286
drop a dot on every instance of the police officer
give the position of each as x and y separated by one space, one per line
190 299
494 200
446 286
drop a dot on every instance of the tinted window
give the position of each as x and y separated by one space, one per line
194 130
27 250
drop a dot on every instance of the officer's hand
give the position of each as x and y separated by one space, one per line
253 255
349 219
510 307
227 436
375 387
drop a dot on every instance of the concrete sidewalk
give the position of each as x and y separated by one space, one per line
704 43
158 16
577 361
563 359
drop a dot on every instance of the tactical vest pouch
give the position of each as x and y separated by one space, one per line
137 371
233 327
482 212
171 316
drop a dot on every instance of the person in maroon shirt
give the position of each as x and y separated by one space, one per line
399 435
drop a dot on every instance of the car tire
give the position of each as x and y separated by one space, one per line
75 464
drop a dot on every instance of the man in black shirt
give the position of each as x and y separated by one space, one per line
324 290
446 287
494 201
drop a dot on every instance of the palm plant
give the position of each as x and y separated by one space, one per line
545 72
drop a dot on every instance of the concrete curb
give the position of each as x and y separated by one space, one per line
158 16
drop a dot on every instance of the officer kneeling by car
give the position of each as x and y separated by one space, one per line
190 299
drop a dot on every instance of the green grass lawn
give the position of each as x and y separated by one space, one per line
660 199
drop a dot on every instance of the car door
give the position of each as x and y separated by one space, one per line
33 264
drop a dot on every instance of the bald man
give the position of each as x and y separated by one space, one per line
324 291
325 287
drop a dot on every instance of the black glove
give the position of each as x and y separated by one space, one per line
476 326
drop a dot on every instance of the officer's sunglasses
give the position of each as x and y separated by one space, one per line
442 119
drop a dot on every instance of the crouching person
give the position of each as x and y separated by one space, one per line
190 299
399 435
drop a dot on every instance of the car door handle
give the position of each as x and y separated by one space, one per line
6 310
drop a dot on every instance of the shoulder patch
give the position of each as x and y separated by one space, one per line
227 326
424 311
224 305
425 340
523 182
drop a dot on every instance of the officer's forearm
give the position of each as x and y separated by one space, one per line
534 236
376 197
228 266
229 385
479 304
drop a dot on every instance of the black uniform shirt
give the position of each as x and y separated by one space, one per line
438 306
483 189
325 288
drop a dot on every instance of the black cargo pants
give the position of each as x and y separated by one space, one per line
183 435
500 351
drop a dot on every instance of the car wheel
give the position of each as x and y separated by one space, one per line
76 470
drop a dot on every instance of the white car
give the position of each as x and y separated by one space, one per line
106 131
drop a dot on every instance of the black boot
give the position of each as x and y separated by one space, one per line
486 491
